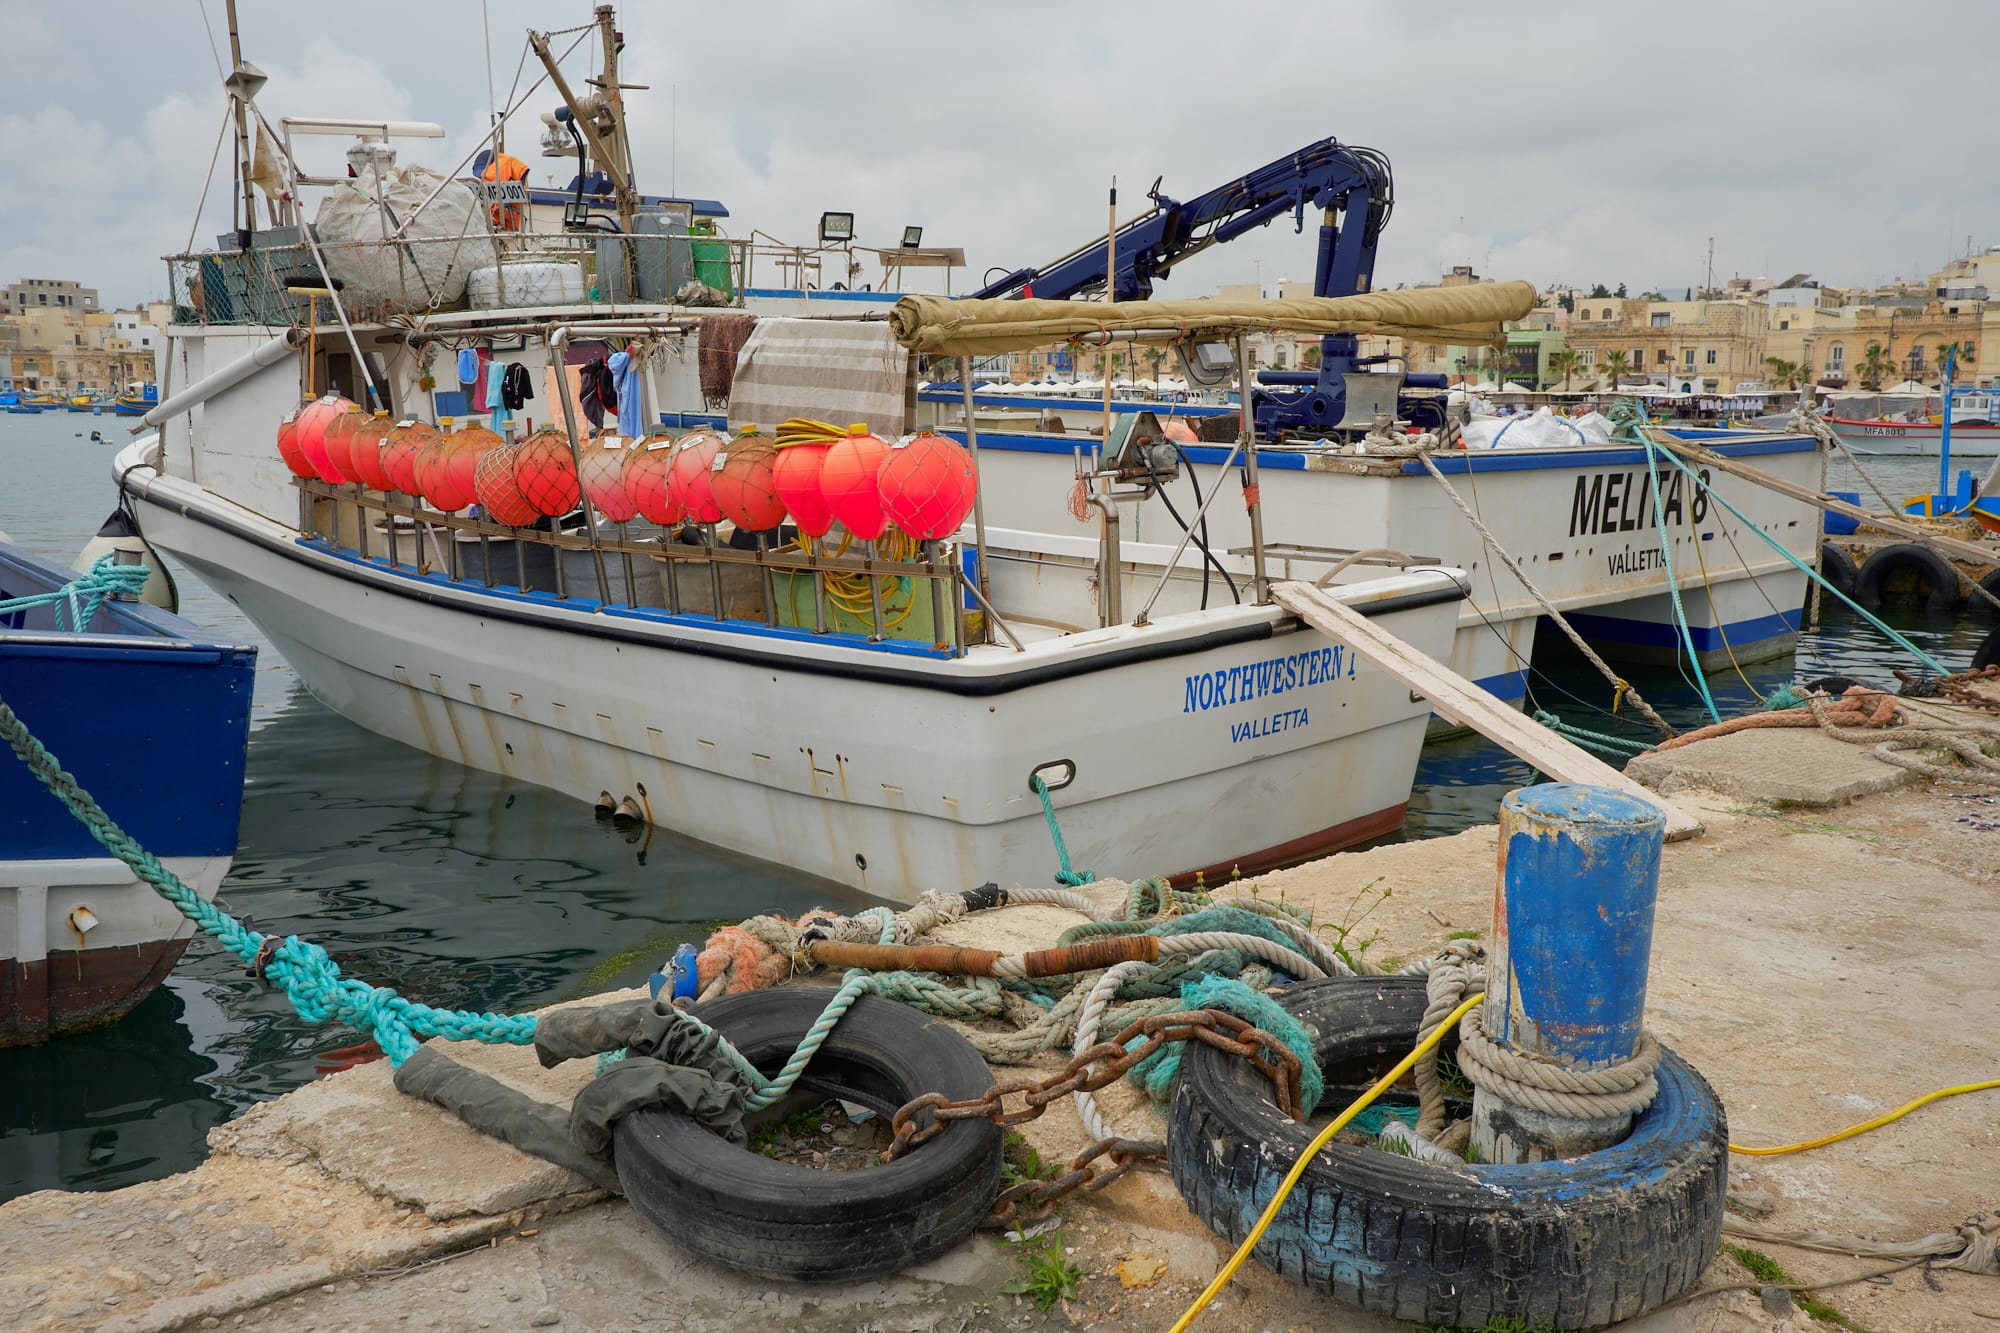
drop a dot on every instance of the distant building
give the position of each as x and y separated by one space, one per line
1704 346
47 294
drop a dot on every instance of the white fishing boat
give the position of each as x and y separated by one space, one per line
705 677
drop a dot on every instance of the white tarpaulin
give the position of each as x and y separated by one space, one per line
426 267
829 371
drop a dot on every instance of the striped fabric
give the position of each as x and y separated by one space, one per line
833 371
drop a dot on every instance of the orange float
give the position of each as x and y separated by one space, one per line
745 486
499 494
927 486
338 435
446 465
400 449
689 486
847 481
319 414
288 445
645 478
603 478
795 475
364 451
545 470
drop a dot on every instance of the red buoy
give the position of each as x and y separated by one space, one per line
546 472
795 476
312 435
445 468
340 428
746 488
688 477
288 445
646 480
847 481
604 478
927 486
499 494
364 451
399 454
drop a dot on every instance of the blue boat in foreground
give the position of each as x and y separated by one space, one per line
152 717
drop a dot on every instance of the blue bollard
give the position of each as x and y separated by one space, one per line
1572 940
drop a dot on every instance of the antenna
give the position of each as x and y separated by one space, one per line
1709 285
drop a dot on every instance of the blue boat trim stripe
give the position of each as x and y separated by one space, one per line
1665 634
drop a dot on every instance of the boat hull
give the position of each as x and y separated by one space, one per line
816 759
1916 438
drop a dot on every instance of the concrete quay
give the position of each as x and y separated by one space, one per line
1819 959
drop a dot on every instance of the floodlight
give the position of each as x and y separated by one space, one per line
912 237
836 227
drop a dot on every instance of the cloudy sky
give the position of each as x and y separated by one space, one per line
1555 141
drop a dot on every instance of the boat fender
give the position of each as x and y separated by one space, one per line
120 536
1581 1242
1988 653
686 977
1991 584
776 1220
1934 574
1837 567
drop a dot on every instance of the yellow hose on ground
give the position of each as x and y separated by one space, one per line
1339 1123
1867 1125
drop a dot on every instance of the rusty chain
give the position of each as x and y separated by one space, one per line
1032 1200
1963 688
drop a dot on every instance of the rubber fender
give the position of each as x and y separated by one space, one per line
1837 567
773 1219
1937 581
1571 1244
1988 653
1991 583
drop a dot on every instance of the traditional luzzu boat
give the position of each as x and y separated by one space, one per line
152 717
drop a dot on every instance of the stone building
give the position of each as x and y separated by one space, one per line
47 294
1696 346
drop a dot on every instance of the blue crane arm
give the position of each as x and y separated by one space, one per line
1333 177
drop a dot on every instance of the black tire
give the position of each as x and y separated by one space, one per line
1988 653
1837 567
1576 1244
1930 576
1991 583
773 1219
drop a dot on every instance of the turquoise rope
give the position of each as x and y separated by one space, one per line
309 978
1074 879
1810 572
1603 742
82 596
1674 591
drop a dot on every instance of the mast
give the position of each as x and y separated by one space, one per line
237 98
614 104
586 122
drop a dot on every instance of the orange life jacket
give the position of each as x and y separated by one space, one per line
506 167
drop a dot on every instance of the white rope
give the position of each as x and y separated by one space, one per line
1970 1248
1094 1123
1254 946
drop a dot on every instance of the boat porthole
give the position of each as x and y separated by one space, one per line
860 861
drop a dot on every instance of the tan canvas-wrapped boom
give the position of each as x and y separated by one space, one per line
1463 316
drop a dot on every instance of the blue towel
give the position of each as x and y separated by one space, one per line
494 373
625 377
468 366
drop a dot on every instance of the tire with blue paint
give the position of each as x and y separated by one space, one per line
773 1219
1837 567
1926 577
1574 1244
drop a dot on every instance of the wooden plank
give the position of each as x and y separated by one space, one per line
1460 701
1985 554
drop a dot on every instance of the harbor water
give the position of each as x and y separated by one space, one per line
469 890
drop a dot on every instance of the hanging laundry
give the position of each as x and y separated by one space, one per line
468 365
496 375
600 392
624 368
482 359
515 388
721 337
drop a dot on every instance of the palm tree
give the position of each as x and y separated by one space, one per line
1616 366
1788 374
1945 352
1565 363
1877 364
